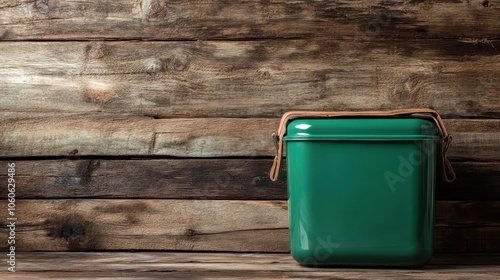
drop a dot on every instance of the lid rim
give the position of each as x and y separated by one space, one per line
361 129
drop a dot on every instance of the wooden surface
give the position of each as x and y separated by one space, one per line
194 20
255 78
210 225
147 265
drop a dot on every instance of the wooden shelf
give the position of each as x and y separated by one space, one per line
197 265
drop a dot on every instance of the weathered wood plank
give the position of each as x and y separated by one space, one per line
475 181
486 138
198 179
164 178
160 20
210 225
31 134
47 134
198 225
459 78
230 266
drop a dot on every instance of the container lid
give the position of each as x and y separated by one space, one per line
445 138
361 129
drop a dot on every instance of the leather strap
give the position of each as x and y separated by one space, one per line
447 173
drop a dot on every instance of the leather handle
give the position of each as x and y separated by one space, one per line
447 173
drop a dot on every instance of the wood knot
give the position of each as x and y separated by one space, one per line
189 232
257 181
69 231
42 6
155 66
75 230
407 89
154 9
178 63
264 74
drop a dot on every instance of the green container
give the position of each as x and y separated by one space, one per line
361 190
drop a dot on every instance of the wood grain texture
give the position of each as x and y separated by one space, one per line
157 178
37 134
210 225
69 135
475 181
174 20
244 179
194 225
147 265
261 78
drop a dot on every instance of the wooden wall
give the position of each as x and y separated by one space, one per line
145 125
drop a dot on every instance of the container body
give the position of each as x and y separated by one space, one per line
361 191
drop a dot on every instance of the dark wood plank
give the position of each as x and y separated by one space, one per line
467 239
30 134
161 178
475 181
169 20
464 132
210 225
233 266
250 79
198 179
467 213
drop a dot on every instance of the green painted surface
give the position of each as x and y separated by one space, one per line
361 191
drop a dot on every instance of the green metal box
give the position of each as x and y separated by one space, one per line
361 190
